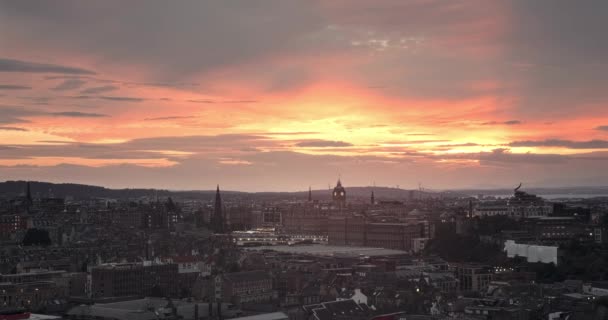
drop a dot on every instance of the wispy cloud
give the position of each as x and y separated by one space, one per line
100 89
12 129
76 114
322 144
13 87
11 65
507 123
602 128
69 84
169 118
126 99
591 144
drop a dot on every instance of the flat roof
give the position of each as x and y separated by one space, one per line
330 250
265 316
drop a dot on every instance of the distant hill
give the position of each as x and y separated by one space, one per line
11 189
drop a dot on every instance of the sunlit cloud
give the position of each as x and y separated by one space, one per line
458 93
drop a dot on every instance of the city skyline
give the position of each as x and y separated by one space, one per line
283 95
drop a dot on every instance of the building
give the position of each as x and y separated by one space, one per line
357 231
134 279
153 309
217 220
271 217
532 253
339 195
31 296
247 286
348 230
520 205
472 277
559 229
305 219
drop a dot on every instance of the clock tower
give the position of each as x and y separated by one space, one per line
339 195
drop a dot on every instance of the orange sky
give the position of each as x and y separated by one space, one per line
282 95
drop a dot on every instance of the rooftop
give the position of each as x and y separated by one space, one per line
329 251
265 316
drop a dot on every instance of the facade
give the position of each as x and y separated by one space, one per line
339 195
134 279
520 205
271 217
472 277
305 219
29 295
357 231
247 286
558 229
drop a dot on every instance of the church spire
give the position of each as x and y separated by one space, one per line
28 192
28 197
217 221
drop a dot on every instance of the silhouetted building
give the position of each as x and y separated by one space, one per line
217 220
134 279
248 286
356 231
339 195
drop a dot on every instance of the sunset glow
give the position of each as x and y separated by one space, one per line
299 92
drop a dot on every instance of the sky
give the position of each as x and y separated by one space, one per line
280 95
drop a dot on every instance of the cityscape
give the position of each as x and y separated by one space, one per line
304 160
316 254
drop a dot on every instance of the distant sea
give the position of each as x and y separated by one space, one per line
556 195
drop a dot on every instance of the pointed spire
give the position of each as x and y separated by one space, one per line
28 192
309 194
218 218
28 197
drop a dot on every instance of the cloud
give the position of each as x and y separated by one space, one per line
409 142
508 123
13 87
100 89
591 144
11 65
12 129
69 84
456 145
602 128
220 101
76 114
126 99
200 101
109 98
169 118
322 144
13 114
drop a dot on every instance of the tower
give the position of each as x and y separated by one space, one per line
373 200
309 194
339 195
28 198
217 221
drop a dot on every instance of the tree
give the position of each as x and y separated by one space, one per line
36 237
